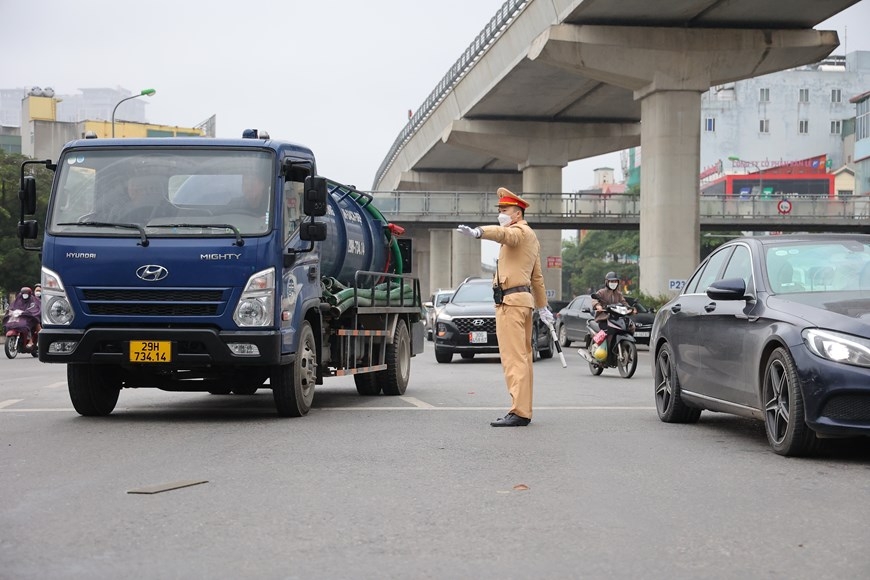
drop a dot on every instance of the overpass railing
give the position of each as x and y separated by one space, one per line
475 50
568 209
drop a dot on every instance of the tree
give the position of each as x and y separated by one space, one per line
18 267
584 264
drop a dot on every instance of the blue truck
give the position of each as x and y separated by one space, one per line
217 265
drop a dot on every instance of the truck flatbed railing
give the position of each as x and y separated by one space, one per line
377 300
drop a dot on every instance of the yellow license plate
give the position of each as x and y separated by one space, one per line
150 351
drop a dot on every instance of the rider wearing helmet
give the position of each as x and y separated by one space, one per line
610 294
28 304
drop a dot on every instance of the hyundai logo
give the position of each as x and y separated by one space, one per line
152 273
478 322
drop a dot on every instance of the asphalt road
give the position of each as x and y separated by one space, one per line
417 486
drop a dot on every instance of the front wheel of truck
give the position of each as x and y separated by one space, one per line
93 389
293 384
394 380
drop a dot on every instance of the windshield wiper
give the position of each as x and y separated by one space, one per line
239 240
137 227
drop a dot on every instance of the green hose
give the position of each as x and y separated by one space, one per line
380 299
340 298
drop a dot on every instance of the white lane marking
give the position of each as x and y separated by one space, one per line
35 410
418 403
421 408
567 408
56 385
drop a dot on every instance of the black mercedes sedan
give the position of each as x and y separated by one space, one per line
776 328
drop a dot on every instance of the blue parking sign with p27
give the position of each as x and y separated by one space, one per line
677 285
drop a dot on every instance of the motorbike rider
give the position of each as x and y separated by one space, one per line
608 295
31 308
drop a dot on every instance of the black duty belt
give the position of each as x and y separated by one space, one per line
517 289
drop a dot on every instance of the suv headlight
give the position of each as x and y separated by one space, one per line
838 347
56 307
256 306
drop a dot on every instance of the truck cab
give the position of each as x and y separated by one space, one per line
200 264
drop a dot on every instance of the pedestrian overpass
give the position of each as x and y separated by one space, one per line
430 217
585 211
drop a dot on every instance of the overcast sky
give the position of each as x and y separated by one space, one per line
336 75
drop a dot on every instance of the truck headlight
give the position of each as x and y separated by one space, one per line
56 307
256 306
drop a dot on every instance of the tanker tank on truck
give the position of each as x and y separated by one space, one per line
217 265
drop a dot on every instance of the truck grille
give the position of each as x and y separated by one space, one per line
468 325
163 302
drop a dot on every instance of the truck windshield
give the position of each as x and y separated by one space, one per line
155 188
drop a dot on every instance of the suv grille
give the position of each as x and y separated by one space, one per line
139 302
467 324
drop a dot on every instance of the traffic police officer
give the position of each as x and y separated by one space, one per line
518 287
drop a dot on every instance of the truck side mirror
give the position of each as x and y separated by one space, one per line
27 195
293 170
314 199
28 230
312 231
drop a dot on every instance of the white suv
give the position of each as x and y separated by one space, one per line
433 307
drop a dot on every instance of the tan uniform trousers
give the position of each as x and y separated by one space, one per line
513 327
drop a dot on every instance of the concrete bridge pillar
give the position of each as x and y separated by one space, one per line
541 150
539 180
670 224
421 252
466 258
440 259
668 69
452 257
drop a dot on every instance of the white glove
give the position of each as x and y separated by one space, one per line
546 316
468 231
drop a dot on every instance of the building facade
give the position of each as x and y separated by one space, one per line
45 121
89 104
783 119
862 143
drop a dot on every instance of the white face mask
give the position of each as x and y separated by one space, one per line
25 296
613 285
504 219
37 294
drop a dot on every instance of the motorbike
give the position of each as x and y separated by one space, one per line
618 340
19 325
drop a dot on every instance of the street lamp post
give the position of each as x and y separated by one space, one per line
760 174
143 93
